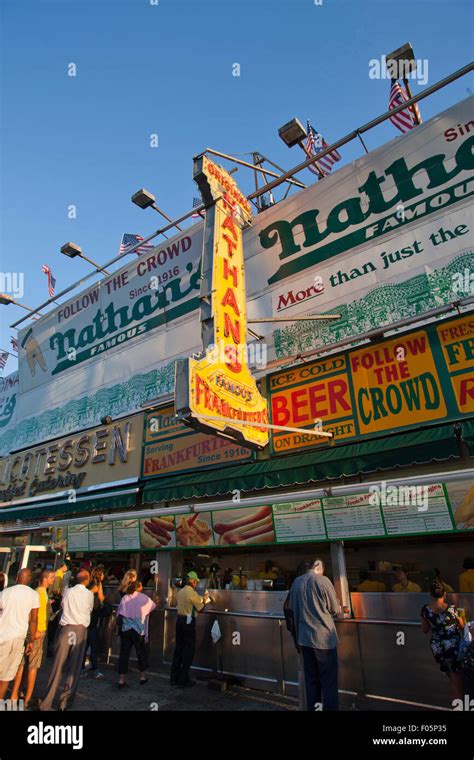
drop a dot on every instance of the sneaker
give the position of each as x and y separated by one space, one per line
98 675
84 673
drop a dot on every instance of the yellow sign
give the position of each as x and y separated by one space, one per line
219 384
391 385
102 455
457 340
172 447
396 384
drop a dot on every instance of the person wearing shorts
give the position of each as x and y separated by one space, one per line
34 659
19 615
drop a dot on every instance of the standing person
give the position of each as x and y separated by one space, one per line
36 575
60 584
449 589
129 577
466 579
34 659
403 582
70 643
93 630
19 615
132 620
314 604
189 603
445 624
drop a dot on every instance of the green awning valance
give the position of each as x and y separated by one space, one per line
467 431
105 500
416 447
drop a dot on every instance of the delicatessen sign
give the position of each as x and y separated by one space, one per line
99 456
417 378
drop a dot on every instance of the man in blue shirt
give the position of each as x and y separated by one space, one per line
314 604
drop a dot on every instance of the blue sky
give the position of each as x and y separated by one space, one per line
166 69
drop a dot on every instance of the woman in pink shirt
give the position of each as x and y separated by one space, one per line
132 622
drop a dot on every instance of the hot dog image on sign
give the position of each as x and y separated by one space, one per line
216 388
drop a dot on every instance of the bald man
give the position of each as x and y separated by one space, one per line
71 641
18 616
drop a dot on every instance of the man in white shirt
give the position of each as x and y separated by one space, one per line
18 611
70 643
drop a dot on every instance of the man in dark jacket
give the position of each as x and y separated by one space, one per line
314 604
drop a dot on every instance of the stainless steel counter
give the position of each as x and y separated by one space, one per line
385 660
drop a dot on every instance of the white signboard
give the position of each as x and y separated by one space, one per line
385 237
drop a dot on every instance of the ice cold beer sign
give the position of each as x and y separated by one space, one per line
218 384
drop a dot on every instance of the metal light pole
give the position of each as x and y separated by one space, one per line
72 250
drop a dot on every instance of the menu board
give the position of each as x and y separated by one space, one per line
245 526
59 539
352 517
194 529
101 537
379 512
158 532
461 497
126 534
299 521
423 510
78 537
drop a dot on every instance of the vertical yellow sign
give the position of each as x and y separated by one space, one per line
219 383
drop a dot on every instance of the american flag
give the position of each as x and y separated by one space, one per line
314 145
3 359
14 342
196 203
404 120
51 281
128 241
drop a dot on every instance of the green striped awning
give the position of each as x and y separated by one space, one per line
98 501
404 449
467 432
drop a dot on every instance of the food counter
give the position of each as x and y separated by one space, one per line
385 659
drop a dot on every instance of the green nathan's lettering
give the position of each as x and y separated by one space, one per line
108 322
410 183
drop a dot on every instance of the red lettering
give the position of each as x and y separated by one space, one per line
232 271
231 328
466 389
230 300
280 413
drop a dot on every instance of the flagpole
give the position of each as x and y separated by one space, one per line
416 110
10 353
320 171
363 143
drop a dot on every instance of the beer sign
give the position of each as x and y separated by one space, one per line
216 388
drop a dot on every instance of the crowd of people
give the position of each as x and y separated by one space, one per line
58 613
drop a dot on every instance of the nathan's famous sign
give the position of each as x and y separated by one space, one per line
219 383
386 237
102 455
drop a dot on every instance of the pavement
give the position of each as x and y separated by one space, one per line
157 694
